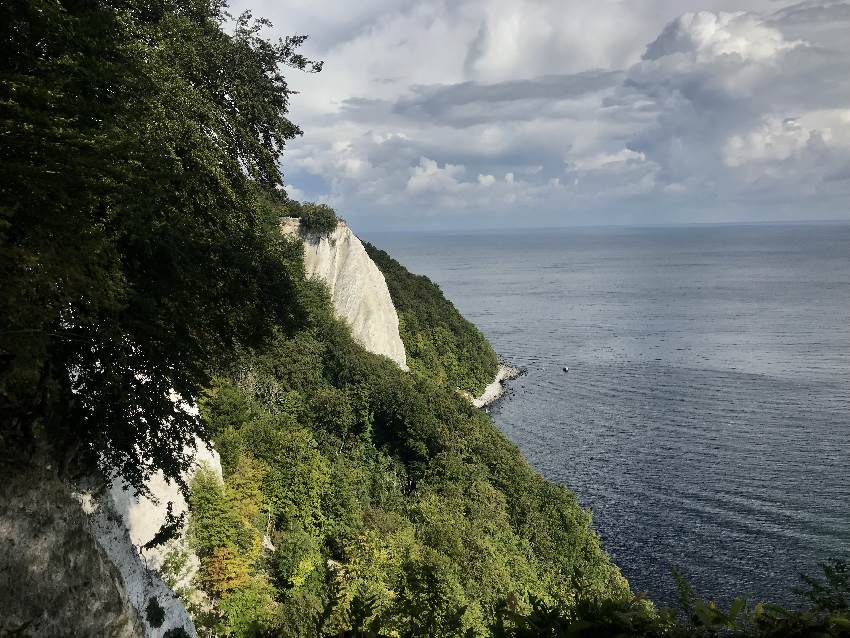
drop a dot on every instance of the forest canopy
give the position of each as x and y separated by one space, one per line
386 498
143 272
135 247
440 343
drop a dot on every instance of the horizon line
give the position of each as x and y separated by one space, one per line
478 229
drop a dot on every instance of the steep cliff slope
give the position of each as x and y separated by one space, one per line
144 516
123 523
72 563
358 288
387 498
441 345
55 580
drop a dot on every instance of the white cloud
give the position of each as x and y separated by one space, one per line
602 160
293 192
774 139
429 176
708 35
573 110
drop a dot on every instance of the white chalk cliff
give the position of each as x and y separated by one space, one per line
358 289
55 580
122 522
123 578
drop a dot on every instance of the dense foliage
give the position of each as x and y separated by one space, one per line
135 252
387 500
826 615
141 260
315 218
362 501
440 344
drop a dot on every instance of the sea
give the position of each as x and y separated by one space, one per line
705 414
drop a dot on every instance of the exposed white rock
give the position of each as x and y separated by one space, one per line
140 582
123 522
144 516
55 580
76 557
358 289
496 388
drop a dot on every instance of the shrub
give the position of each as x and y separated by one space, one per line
154 613
441 345
384 498
315 218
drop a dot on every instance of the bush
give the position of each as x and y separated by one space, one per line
315 218
154 613
384 496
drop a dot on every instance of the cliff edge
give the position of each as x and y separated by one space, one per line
358 289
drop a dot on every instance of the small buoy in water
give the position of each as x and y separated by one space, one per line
566 369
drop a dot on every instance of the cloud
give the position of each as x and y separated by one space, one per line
773 140
707 36
605 160
441 101
573 112
429 176
814 13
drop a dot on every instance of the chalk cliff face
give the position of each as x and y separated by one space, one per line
55 580
123 523
358 289
62 552
143 517
101 550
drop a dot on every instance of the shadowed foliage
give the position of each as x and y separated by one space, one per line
135 252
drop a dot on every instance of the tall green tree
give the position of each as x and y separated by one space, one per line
139 143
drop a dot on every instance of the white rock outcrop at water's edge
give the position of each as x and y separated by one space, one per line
496 388
358 289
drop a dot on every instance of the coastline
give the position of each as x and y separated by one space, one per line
496 388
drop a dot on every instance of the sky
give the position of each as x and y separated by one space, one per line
538 113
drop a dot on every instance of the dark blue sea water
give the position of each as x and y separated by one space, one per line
706 415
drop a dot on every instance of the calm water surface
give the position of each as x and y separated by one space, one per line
706 414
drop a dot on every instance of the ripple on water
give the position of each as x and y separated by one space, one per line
705 417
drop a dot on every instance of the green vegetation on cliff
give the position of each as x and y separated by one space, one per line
440 344
388 500
140 255
135 250
315 218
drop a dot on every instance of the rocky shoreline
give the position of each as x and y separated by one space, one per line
496 388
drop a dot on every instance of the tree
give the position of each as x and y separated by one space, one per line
137 248
316 218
